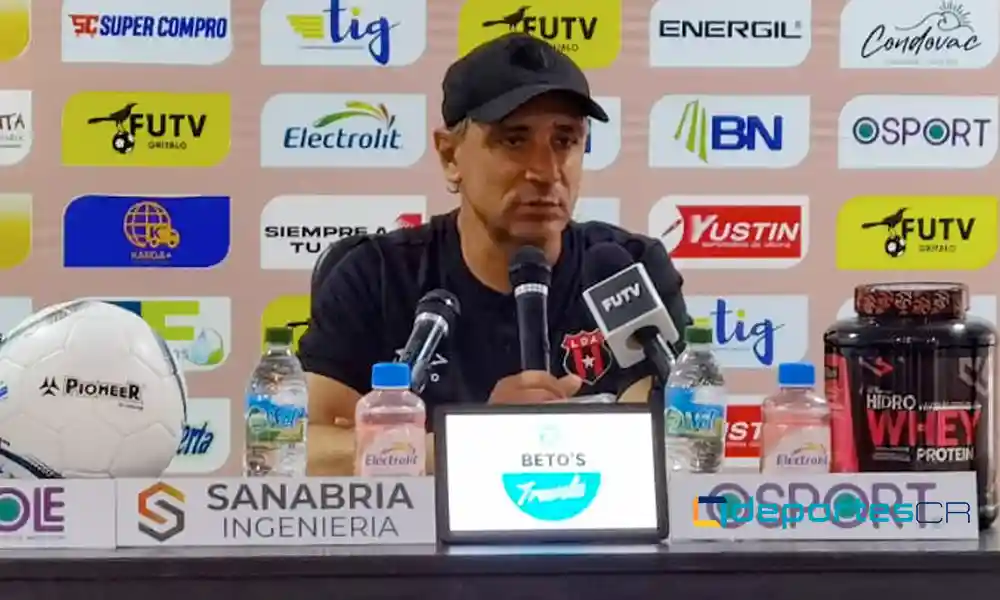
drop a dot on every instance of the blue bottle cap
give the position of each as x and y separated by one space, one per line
799 374
391 375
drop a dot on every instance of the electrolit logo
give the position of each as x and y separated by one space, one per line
812 454
553 483
754 332
397 454
732 326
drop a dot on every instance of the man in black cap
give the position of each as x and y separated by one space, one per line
515 115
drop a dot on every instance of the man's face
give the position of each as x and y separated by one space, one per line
522 176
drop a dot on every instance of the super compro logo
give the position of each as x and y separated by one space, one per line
553 481
918 132
588 32
178 32
347 33
146 231
145 129
720 132
198 331
917 232
161 511
343 130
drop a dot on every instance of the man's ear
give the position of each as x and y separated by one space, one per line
446 144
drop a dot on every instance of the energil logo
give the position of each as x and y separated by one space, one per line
554 484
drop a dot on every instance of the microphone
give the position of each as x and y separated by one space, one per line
628 309
530 276
435 318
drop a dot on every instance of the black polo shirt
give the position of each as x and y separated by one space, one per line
364 311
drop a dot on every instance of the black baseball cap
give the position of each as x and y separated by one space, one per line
501 75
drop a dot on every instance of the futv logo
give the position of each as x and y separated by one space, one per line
336 130
729 132
554 481
922 132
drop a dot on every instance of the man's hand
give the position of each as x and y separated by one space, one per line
534 387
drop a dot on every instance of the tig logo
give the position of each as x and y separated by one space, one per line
161 512
696 518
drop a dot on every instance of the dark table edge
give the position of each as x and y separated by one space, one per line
126 568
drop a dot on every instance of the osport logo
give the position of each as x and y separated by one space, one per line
161 511
552 496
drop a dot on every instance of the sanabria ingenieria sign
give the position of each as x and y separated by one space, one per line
588 32
146 129
917 233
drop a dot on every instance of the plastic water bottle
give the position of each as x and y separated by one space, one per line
389 425
276 411
695 405
796 424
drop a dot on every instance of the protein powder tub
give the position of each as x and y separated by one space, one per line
910 382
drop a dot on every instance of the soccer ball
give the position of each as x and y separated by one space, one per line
123 142
88 389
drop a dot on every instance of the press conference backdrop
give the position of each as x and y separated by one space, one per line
189 158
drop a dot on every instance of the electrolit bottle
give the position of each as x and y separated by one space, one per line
276 411
389 426
796 424
695 405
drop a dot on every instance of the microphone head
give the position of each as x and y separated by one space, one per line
528 265
442 303
603 261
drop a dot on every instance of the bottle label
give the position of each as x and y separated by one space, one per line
798 449
271 422
397 451
695 412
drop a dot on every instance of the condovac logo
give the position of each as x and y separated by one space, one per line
555 482
161 511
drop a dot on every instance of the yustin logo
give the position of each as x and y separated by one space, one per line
729 132
552 484
140 231
363 132
380 32
846 509
746 334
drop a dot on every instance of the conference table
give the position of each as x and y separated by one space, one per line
688 570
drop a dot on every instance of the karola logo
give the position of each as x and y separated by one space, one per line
337 130
918 132
730 33
917 233
919 34
729 132
295 229
732 232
